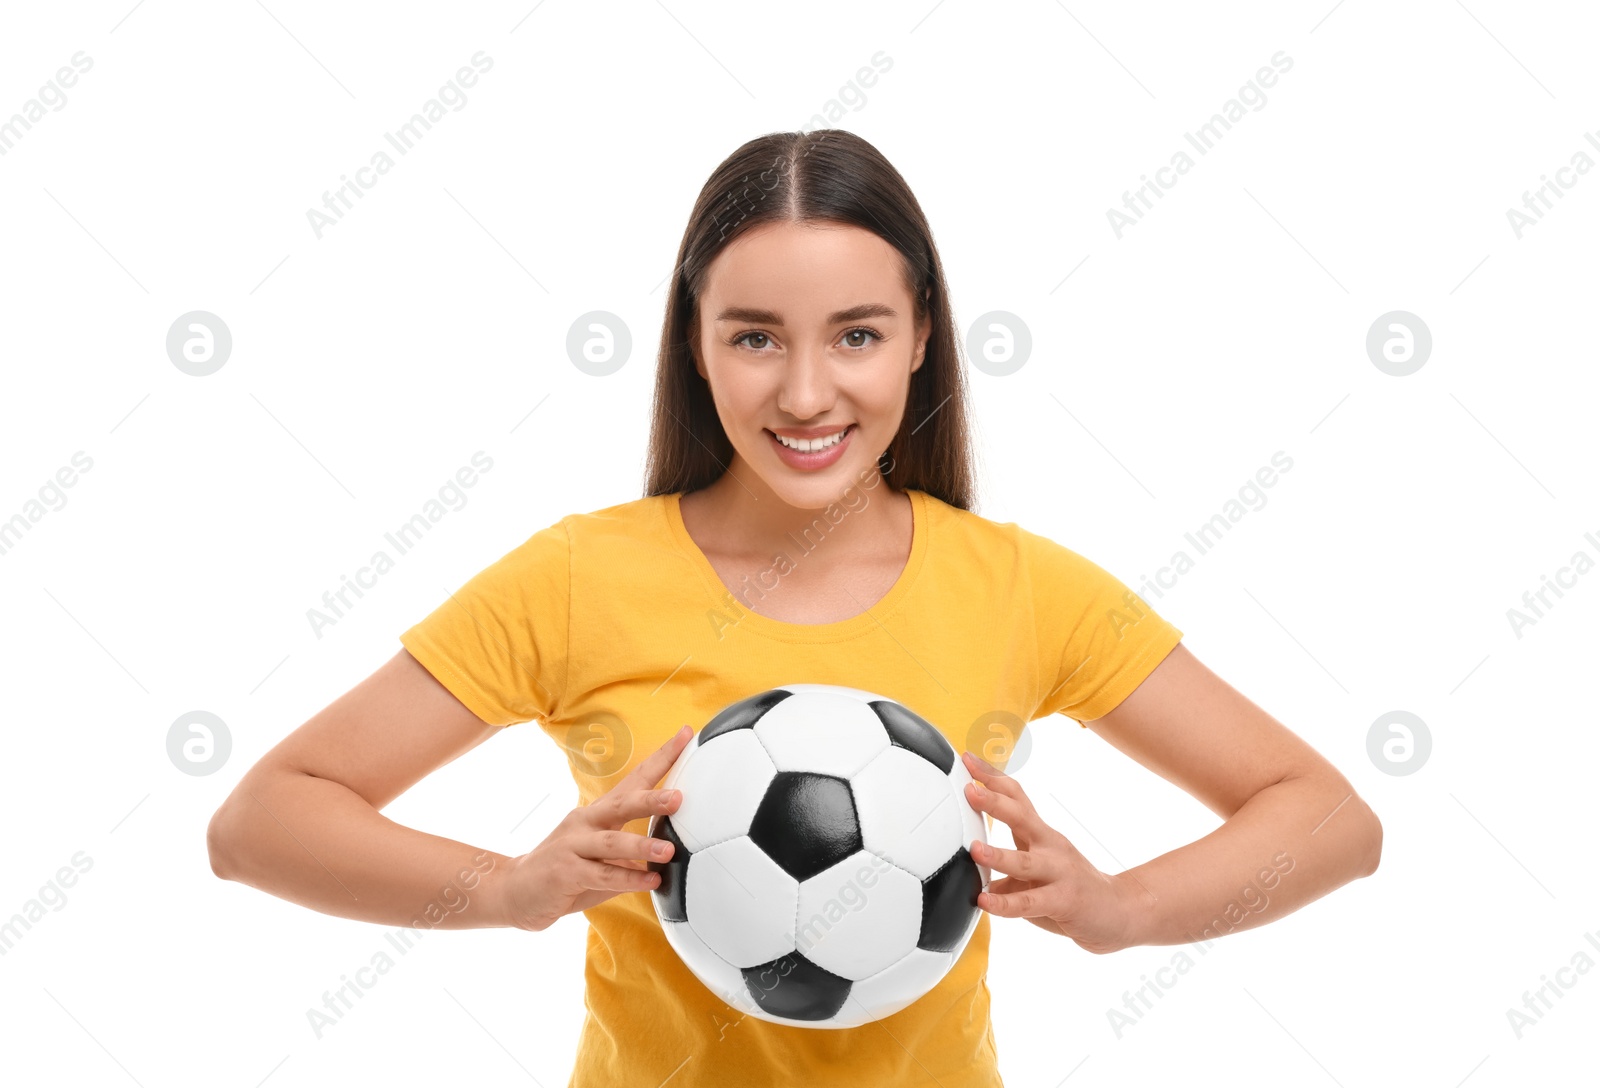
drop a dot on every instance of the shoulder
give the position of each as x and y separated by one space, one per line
634 517
957 530
585 531
616 537
541 567
1030 559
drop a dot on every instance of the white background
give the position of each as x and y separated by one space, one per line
1168 366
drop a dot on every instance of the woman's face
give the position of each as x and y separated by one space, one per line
807 330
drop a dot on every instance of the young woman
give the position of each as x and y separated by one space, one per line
806 518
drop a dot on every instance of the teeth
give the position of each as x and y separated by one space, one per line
811 445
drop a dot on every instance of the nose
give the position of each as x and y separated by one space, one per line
807 387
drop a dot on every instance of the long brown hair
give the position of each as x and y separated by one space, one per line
823 175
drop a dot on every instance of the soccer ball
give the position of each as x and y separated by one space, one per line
820 875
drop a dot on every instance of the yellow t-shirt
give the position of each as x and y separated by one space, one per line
612 629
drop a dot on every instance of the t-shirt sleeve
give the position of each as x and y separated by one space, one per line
1097 640
499 643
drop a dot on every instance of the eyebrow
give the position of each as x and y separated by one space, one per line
770 317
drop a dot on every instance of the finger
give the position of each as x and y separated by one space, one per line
1022 821
617 808
1021 904
1009 787
993 779
977 764
1022 864
1005 886
657 763
612 845
626 863
598 876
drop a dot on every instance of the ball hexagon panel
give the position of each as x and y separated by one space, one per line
741 903
893 988
908 812
859 916
722 786
806 822
823 731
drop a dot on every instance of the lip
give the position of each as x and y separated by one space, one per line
810 462
807 432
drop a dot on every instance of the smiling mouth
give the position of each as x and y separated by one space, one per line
813 445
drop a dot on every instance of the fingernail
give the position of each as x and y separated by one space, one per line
659 849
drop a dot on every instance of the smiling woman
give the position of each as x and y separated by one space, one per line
761 362
809 308
808 357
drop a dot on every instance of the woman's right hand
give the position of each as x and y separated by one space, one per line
588 858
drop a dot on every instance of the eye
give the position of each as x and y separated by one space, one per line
739 341
863 330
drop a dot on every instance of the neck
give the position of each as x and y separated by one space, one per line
745 515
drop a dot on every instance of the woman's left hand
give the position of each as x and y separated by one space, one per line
1048 882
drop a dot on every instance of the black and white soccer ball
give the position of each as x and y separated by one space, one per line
821 874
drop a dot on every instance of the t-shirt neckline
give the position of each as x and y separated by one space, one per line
751 620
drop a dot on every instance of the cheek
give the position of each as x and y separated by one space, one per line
885 397
738 396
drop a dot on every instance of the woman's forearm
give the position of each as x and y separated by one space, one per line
317 843
1292 843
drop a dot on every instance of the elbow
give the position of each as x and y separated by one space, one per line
1374 844
217 844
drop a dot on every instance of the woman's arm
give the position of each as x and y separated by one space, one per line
304 824
1294 828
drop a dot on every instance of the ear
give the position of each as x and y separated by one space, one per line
694 350
924 330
